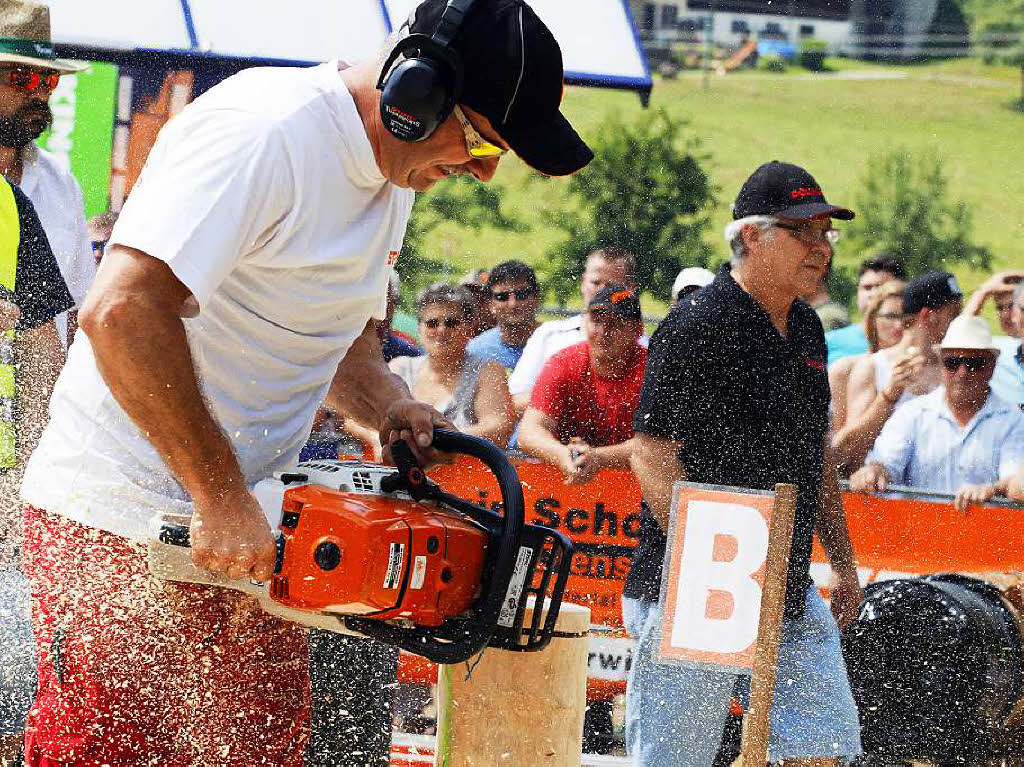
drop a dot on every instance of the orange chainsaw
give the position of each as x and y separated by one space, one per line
384 552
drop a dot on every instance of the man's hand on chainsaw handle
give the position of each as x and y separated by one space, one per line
230 535
413 422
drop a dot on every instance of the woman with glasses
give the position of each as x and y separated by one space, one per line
471 391
883 326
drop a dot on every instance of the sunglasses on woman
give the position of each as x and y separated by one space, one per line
27 80
449 322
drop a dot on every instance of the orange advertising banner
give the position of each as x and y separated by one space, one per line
893 535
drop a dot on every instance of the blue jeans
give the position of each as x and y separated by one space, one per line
675 714
17 650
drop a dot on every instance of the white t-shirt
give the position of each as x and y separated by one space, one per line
549 338
57 198
264 198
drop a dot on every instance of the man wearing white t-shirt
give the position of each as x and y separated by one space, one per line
605 266
267 216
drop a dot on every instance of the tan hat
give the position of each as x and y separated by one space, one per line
25 37
969 332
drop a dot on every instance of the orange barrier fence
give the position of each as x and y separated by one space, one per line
893 535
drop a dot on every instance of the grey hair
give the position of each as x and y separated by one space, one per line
446 293
734 234
1018 295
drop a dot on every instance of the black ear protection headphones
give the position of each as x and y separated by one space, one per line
420 92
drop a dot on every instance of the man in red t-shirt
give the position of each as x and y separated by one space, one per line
580 416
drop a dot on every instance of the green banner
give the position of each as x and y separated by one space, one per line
82 134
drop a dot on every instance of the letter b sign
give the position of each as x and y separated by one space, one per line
715 568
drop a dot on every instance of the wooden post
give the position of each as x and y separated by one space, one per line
517 708
754 747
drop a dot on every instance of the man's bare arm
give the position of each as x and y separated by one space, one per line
657 467
834 536
365 390
40 356
132 316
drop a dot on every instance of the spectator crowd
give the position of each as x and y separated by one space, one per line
565 391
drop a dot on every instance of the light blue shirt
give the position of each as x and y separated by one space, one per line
490 345
1008 378
923 446
846 342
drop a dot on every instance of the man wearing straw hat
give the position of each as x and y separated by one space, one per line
961 438
29 74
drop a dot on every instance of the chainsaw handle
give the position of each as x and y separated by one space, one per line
501 557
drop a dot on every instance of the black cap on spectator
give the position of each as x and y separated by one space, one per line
617 299
931 290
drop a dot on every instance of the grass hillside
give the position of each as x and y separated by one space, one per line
828 123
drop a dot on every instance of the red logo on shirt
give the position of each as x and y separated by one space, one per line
813 363
392 257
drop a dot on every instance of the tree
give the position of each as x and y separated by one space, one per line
646 191
904 209
462 201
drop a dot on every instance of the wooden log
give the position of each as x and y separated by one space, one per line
754 746
514 708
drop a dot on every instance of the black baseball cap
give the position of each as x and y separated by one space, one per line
617 299
784 190
513 76
931 290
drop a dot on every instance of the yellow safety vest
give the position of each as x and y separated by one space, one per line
10 238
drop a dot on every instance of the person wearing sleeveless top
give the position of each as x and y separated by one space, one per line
472 392
883 328
930 303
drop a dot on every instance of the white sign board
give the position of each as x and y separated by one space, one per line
714 574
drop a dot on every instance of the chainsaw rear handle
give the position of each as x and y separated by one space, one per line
501 557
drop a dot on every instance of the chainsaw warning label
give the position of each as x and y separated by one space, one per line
396 555
515 587
419 572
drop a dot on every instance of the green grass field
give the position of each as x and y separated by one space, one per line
828 123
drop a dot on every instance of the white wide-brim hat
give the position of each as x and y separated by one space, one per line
969 332
25 37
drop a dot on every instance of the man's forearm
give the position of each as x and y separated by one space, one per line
616 456
657 467
40 357
144 357
538 441
364 386
832 529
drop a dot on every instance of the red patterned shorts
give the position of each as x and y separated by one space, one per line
137 671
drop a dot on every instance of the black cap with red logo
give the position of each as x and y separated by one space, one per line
617 299
784 190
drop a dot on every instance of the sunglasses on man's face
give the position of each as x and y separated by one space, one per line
435 322
476 145
27 80
521 294
972 364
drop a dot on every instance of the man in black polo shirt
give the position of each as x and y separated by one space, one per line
736 393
